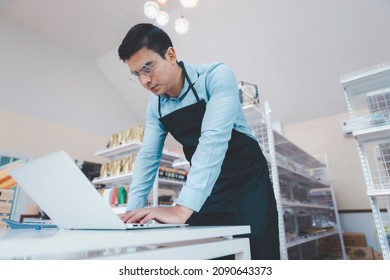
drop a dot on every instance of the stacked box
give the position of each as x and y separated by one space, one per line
356 246
359 253
378 256
354 239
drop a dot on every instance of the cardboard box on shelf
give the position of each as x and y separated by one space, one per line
356 239
359 253
378 256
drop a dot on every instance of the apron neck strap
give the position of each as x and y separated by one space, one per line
190 86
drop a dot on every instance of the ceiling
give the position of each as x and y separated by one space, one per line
295 51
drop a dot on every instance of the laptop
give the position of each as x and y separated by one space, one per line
67 196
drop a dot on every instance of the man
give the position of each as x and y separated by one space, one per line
228 182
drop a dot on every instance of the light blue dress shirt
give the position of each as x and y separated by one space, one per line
215 83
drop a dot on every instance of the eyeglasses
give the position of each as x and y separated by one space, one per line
146 70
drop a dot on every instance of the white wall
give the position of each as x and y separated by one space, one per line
62 86
27 136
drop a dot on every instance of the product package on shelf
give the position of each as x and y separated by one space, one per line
118 195
166 197
172 173
135 133
118 166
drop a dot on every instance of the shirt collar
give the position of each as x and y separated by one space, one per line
193 75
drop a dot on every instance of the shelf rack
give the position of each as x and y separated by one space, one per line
127 149
294 170
367 94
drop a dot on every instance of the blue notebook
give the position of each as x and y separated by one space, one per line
26 225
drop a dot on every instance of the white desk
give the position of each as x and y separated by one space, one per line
169 243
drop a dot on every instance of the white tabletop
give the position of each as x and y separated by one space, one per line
168 243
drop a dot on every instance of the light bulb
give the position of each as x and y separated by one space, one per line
151 9
162 18
189 3
181 25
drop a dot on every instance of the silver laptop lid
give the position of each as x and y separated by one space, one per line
60 188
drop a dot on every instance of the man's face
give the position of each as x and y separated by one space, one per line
151 70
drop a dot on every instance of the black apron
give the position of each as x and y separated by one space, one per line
242 194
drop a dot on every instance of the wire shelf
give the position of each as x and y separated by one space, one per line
304 198
367 94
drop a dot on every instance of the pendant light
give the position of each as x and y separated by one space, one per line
162 2
181 25
151 9
189 3
162 18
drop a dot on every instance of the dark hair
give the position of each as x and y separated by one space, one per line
144 35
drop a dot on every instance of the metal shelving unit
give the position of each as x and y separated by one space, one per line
127 149
367 94
308 216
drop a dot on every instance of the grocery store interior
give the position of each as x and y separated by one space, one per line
313 79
